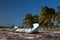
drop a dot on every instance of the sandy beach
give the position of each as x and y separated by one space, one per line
5 35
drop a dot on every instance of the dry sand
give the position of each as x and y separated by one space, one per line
5 35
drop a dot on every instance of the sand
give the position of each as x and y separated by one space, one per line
5 35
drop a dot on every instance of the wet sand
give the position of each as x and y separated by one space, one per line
5 35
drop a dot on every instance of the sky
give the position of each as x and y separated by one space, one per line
14 11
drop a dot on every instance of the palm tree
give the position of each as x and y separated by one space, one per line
28 20
45 15
35 19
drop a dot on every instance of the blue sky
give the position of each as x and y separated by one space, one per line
13 11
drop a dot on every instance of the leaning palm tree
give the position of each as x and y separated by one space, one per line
45 15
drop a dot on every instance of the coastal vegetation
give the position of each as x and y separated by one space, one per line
44 18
